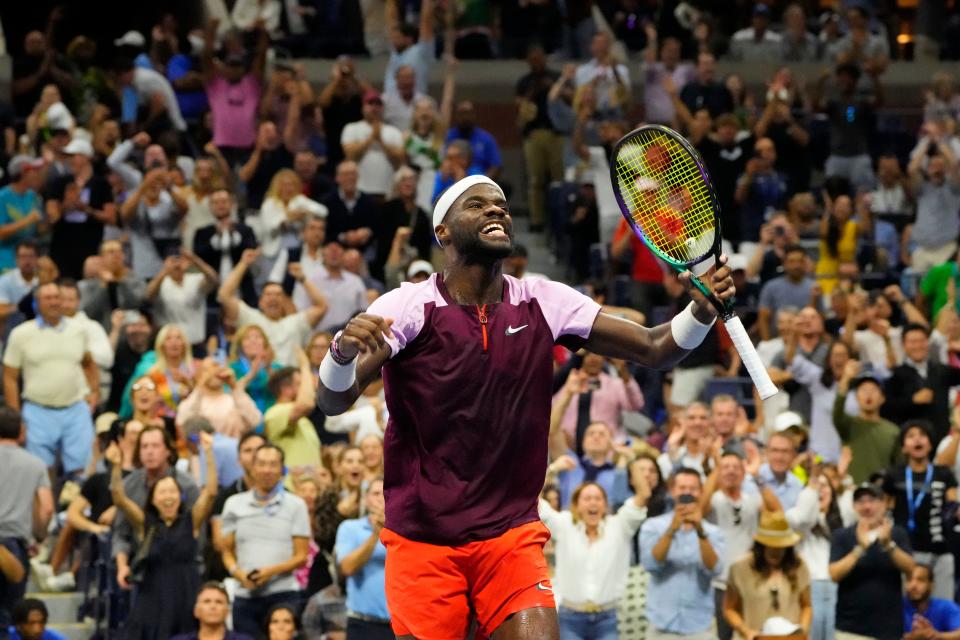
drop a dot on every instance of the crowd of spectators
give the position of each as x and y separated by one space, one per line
188 216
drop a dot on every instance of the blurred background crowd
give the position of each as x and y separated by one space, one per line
195 196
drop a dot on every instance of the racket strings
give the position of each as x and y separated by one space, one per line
668 195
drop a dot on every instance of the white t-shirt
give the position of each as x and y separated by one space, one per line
285 335
376 170
185 304
873 349
738 520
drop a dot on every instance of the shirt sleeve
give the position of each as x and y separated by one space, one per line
840 544
247 314
13 356
345 543
567 311
349 135
300 525
406 313
228 521
649 535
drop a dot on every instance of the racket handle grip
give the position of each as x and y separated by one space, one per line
751 359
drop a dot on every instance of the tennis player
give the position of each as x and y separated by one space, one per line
467 369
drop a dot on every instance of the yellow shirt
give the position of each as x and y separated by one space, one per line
828 266
299 441
49 359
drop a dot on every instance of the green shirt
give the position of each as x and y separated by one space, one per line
299 440
873 442
934 285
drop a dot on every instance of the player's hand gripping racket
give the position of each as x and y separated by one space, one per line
665 193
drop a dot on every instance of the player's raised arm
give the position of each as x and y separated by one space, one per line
663 346
356 355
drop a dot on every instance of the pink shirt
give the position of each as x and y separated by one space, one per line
234 110
606 403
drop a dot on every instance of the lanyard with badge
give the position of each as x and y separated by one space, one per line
913 503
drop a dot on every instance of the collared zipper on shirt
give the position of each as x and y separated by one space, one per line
482 317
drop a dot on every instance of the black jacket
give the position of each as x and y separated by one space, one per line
906 381
242 239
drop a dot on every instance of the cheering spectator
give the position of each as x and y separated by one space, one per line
211 611
353 214
781 451
658 106
771 581
78 207
222 244
361 559
19 281
681 553
760 190
872 439
111 285
793 289
21 213
601 397
61 384
704 92
100 348
410 46
937 190
286 332
924 615
891 199
424 138
609 78
232 413
266 533
270 154
376 147
851 116
153 212
246 449
283 216
287 424
136 330
919 388
250 350
919 490
342 102
38 66
403 212
756 43
398 104
182 297
485 151
797 44
154 457
590 547
166 564
234 94
27 510
859 46
170 369
866 561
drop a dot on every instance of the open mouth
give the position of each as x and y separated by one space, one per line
494 230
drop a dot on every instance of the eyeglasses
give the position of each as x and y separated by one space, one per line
775 596
144 384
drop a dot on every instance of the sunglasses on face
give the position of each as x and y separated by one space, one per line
146 384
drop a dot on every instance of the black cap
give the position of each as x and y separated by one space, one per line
865 488
866 377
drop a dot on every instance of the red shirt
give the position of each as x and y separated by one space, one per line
646 266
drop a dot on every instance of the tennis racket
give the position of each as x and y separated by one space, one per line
665 193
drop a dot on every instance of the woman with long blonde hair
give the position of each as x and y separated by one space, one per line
250 350
283 214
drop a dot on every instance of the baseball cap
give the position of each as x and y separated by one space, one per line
760 9
788 420
737 262
19 164
104 422
867 376
419 266
372 95
131 38
867 488
59 117
79 146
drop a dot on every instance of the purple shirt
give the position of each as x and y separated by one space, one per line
465 450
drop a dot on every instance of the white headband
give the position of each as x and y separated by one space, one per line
448 197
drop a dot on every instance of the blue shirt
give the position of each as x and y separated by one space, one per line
613 480
14 207
486 153
787 492
48 634
680 591
942 614
225 453
366 593
419 56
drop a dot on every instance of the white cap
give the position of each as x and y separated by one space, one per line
131 39
737 261
59 117
79 146
419 266
788 419
448 197
779 626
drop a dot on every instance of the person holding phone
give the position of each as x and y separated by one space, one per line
682 554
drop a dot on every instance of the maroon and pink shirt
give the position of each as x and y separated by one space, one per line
468 389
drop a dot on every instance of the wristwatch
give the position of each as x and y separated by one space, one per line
701 533
890 547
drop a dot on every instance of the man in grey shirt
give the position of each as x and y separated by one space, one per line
26 498
793 289
154 458
937 191
266 534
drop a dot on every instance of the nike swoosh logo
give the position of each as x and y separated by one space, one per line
541 587
511 330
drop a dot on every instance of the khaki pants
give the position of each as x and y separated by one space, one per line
926 259
846 635
543 154
655 634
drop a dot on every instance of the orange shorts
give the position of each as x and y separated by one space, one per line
432 589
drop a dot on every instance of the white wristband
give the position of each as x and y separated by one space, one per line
337 377
688 332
